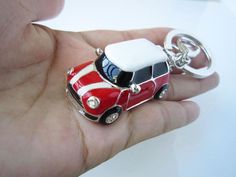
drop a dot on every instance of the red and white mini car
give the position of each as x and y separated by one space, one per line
125 75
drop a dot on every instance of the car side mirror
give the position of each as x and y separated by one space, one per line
99 52
135 88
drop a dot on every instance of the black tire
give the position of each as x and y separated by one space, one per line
159 93
116 111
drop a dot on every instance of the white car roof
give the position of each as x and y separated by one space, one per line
135 54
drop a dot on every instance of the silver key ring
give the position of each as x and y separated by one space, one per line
182 48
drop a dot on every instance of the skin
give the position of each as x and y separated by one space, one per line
41 133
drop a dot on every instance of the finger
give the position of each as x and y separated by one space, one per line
155 118
146 121
100 39
78 51
183 87
22 38
47 9
34 10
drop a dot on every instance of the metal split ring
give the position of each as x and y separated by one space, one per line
188 46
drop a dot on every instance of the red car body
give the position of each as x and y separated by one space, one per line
91 83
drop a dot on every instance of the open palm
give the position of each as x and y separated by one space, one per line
41 133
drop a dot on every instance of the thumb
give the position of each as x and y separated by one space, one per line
18 36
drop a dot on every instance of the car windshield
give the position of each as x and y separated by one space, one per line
112 73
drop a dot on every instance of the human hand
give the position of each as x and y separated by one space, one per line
41 134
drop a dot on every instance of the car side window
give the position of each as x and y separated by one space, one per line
143 75
160 69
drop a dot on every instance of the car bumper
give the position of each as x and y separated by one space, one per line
76 100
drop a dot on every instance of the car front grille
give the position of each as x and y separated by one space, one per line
74 95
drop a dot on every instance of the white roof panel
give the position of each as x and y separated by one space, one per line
135 54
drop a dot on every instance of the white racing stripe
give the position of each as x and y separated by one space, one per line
87 88
81 73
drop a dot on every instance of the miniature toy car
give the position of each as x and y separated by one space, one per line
125 75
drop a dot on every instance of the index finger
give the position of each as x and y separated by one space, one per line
101 38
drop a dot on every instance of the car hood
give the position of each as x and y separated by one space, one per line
87 79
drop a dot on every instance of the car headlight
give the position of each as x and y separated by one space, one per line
93 102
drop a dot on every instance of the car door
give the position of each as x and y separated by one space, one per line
143 79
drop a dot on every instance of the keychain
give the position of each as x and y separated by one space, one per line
129 73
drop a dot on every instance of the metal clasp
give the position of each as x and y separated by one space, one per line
181 49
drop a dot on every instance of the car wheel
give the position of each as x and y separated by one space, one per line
161 92
110 116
